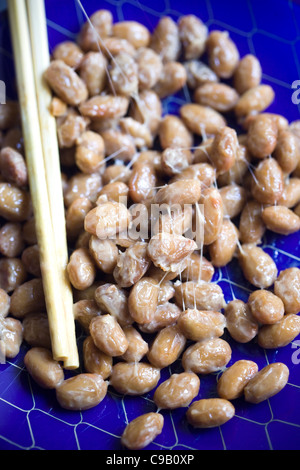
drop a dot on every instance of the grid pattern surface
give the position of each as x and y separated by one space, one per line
31 418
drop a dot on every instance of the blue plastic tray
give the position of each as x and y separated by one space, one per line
31 418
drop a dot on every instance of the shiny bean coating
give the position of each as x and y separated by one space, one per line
143 300
177 391
240 322
200 295
44 370
279 334
197 325
266 307
81 392
134 378
108 335
166 347
287 287
258 267
234 379
94 360
141 431
210 412
206 356
266 383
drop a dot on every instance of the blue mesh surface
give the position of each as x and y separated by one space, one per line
31 418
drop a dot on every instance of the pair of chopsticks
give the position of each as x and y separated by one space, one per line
31 52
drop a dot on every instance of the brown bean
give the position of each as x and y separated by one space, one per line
174 133
166 347
254 101
9 114
166 314
198 73
291 193
165 39
210 412
218 96
69 129
124 75
84 310
175 160
118 143
223 55
15 204
93 71
197 325
234 198
234 379
240 322
136 33
238 170
12 273
36 331
11 240
281 219
142 182
251 225
198 269
4 303
204 172
117 172
193 34
149 67
134 378
99 25
267 184
287 151
213 212
13 167
44 370
107 106
89 152
104 253
200 119
177 391
139 132
180 192
287 287
108 335
107 219
281 333
65 83
169 251
112 46
258 267
147 109
94 360
11 336
262 136
248 73
132 264
137 346
69 52
141 431
31 260
81 269
266 383
172 79
266 307
143 300
200 295
223 149
27 298
113 299
82 185
81 392
206 356
75 215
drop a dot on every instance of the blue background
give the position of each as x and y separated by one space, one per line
31 418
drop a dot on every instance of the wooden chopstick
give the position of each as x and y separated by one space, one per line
39 182
41 60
